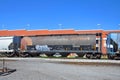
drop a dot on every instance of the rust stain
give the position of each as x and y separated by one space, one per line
25 42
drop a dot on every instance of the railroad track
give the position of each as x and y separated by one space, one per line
66 60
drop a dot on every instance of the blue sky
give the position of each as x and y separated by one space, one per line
60 14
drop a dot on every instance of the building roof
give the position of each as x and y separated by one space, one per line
51 32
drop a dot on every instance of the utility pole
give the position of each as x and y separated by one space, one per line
3 70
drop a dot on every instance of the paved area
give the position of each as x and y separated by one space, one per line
66 60
42 69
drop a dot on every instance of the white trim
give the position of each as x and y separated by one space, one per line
97 38
104 38
6 50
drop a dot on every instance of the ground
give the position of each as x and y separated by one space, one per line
41 69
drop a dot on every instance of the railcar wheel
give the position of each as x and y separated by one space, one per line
88 56
27 55
12 55
98 56
111 56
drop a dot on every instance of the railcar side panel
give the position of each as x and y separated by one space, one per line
6 44
59 42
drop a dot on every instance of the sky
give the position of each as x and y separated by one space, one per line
60 14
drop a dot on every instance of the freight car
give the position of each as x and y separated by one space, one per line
63 44
81 44
6 45
113 45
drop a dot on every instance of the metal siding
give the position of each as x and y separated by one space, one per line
75 40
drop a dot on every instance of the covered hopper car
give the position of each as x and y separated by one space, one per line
63 44
6 45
